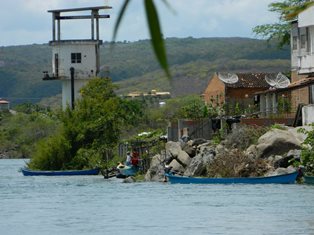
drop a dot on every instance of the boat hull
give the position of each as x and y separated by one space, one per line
126 171
309 179
278 179
28 172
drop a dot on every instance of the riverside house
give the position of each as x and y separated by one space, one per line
240 93
301 90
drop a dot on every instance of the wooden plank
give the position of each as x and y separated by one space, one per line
82 17
81 9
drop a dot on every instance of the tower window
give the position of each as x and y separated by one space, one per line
294 43
76 58
303 41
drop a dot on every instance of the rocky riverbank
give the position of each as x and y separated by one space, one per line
274 153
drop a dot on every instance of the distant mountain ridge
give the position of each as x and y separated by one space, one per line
132 65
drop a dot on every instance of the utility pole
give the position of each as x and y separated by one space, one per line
72 87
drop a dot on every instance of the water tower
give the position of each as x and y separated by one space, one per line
75 61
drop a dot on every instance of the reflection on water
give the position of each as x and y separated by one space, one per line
92 205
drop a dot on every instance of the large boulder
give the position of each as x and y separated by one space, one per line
183 158
156 171
199 164
189 149
276 142
300 135
176 166
173 148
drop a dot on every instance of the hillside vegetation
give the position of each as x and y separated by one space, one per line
133 66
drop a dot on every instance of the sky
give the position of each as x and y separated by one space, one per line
25 22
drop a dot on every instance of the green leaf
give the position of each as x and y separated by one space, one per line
156 35
120 16
168 5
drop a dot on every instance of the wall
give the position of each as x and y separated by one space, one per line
66 91
88 66
307 115
298 96
267 121
215 89
192 128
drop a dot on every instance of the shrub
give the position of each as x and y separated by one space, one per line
235 164
307 154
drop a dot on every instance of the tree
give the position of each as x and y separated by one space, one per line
288 10
93 127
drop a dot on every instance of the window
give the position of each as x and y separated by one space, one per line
303 41
76 58
294 43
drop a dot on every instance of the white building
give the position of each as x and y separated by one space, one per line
302 43
74 61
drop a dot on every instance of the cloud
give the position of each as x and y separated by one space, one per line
28 21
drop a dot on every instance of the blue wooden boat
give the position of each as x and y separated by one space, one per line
278 179
125 171
28 172
308 179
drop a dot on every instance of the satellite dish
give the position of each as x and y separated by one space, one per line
280 81
229 78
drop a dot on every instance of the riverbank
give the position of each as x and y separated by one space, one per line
276 151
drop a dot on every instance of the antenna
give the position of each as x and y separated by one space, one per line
229 78
280 81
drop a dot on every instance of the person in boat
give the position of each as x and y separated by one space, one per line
120 165
128 161
135 158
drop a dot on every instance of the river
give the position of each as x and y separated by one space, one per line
93 205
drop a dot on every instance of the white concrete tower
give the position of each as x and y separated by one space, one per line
75 61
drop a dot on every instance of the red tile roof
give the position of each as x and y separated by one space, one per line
251 80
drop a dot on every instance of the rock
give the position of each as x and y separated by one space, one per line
129 179
173 148
199 141
189 149
284 162
156 170
275 158
176 166
295 153
199 164
276 142
281 171
183 158
299 135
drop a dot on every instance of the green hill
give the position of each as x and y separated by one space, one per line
133 66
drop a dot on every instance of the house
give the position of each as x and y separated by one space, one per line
4 105
302 59
156 98
301 89
240 93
